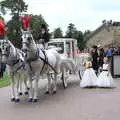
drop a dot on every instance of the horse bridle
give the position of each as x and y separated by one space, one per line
6 49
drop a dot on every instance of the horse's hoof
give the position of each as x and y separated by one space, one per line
47 92
54 92
20 93
17 100
30 100
26 93
35 100
12 99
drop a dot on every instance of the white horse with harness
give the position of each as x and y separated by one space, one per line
39 62
15 65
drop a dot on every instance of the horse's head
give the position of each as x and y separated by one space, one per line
4 50
26 40
28 44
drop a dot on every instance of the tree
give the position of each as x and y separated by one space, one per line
14 33
71 30
57 33
36 24
87 33
15 7
80 40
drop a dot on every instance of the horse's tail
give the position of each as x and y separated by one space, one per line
68 65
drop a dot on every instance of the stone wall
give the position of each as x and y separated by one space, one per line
106 36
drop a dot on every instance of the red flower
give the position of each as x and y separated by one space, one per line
25 21
2 27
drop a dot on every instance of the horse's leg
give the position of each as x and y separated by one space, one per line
30 89
55 83
49 84
35 98
25 78
26 87
18 82
12 88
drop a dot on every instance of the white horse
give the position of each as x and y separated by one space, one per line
39 62
14 59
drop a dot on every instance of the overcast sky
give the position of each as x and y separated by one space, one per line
85 14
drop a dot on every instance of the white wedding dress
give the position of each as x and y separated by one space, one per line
105 79
89 78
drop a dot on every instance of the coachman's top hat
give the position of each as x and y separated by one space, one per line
43 26
94 46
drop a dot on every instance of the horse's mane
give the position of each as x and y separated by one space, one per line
12 46
20 53
17 51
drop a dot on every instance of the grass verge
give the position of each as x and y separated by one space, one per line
5 81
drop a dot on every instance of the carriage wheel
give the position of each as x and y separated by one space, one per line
64 80
79 73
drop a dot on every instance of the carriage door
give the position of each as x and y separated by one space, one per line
68 50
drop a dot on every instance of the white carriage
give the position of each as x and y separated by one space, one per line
67 47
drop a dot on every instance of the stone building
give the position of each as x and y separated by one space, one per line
108 34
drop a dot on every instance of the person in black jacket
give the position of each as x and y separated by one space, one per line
2 69
94 55
101 55
44 35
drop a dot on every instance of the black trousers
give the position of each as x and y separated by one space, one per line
2 36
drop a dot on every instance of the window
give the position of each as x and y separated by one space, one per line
58 45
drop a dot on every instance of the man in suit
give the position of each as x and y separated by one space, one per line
44 35
94 54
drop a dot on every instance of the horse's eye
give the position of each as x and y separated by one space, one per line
3 47
6 49
29 38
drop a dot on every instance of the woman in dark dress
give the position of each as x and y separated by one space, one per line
101 55
94 55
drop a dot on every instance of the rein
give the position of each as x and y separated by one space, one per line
45 60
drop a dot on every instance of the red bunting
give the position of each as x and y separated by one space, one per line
2 27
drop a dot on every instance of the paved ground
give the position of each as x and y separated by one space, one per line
73 103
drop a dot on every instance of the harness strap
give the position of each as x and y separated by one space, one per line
46 59
20 65
30 66
48 64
